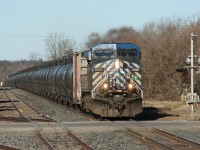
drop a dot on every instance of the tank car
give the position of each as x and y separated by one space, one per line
104 80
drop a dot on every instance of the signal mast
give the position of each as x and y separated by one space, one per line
192 98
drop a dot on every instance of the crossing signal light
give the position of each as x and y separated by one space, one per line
184 71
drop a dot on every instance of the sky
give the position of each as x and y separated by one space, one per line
24 24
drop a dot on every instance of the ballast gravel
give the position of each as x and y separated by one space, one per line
191 135
23 141
111 141
97 140
54 110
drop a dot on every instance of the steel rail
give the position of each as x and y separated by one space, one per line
144 139
21 115
85 146
7 101
191 144
69 133
75 110
19 119
151 142
42 138
72 135
3 147
148 141
47 118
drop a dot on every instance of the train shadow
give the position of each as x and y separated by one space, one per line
152 113
148 114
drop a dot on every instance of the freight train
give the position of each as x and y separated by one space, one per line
104 80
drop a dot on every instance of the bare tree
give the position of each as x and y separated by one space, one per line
93 39
35 56
164 47
58 45
10 67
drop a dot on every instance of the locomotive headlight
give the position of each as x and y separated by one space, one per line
130 86
117 64
105 86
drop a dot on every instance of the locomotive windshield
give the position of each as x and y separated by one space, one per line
127 52
103 53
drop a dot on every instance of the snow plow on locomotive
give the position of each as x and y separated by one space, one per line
105 80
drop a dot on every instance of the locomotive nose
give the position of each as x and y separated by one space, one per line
118 105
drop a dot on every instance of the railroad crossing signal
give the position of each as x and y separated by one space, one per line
183 71
192 97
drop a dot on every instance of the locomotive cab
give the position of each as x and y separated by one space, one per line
113 80
112 87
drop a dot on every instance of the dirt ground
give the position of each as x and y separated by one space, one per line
165 110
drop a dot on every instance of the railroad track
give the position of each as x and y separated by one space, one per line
24 110
159 139
3 147
57 140
73 109
152 137
61 138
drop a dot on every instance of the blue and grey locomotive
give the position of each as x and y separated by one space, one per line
114 84
105 80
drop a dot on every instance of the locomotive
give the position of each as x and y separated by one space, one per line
104 80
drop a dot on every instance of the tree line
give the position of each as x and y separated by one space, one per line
9 67
164 44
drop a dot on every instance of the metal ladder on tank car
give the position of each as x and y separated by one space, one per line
84 75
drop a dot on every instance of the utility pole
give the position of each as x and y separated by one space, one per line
192 70
192 97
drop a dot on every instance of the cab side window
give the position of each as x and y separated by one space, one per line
85 54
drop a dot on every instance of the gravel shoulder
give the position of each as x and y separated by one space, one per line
21 140
100 138
111 140
54 110
168 111
152 109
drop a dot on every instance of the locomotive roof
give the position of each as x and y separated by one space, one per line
115 46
